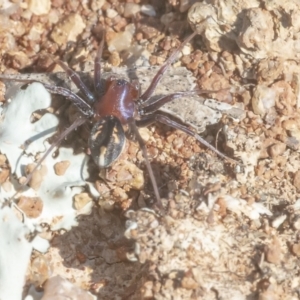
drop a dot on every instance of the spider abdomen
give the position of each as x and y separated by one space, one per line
107 140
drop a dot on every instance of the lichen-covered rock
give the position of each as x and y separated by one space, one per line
257 33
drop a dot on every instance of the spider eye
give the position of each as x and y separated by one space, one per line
107 141
121 82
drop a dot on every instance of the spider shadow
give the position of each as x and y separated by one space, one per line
98 245
29 142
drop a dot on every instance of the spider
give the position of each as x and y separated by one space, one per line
120 104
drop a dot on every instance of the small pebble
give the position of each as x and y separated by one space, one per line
81 200
296 249
115 59
277 149
186 50
57 287
296 224
273 252
263 99
39 270
122 40
111 13
31 206
148 10
61 167
68 29
145 133
37 177
39 7
189 283
278 221
17 59
4 173
296 180
131 9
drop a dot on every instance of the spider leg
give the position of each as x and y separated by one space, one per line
148 93
77 81
83 107
135 131
154 106
56 143
158 117
97 71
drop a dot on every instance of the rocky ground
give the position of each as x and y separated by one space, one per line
230 230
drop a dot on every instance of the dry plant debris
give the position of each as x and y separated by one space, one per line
228 232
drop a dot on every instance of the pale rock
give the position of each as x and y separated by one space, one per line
61 167
111 13
60 288
39 7
148 10
263 99
97 4
81 200
278 221
131 9
122 40
68 29
36 31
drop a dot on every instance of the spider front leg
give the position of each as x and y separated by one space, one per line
77 81
82 106
148 93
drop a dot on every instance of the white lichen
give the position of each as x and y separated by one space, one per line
55 191
15 254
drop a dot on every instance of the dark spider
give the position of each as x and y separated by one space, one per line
120 104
